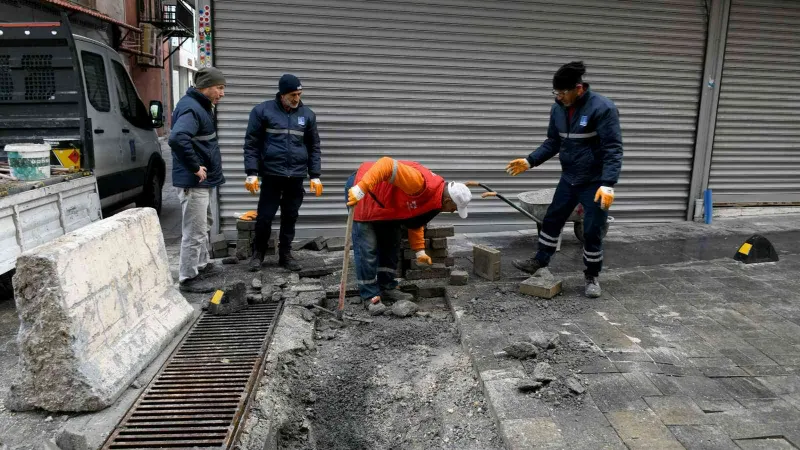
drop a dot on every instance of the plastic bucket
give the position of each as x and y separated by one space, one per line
29 162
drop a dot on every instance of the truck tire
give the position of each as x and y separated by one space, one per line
152 197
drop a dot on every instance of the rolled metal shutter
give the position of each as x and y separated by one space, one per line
463 86
756 153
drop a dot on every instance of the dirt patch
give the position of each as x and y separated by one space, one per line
394 383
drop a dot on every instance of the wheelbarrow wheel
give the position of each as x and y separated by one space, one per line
578 227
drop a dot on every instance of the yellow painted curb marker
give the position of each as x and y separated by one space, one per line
217 297
745 248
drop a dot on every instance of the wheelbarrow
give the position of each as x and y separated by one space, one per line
534 204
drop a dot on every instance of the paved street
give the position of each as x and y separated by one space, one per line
686 348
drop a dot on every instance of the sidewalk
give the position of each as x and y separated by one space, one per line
685 349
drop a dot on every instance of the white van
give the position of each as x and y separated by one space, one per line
75 93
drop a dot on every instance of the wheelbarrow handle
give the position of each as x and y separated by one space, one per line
491 193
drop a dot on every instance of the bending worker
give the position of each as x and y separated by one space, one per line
282 146
386 195
584 130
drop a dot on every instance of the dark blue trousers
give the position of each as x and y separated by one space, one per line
566 198
286 194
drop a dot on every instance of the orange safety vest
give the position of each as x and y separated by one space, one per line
388 202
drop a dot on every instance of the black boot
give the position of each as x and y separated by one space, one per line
527 265
287 261
256 261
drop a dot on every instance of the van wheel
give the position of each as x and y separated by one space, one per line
151 197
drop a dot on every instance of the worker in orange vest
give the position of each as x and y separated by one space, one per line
387 195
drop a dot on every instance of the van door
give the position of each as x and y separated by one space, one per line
107 152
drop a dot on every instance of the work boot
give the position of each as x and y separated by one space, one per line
531 265
593 287
196 285
209 270
256 261
288 262
395 295
375 306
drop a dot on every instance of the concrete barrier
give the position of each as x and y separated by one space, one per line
96 306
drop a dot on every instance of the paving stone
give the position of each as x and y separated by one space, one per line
230 260
574 385
677 410
744 388
317 272
334 244
246 225
702 437
529 385
486 262
459 277
544 372
543 339
434 271
243 235
448 261
316 244
439 231
437 243
243 249
612 392
585 427
525 434
308 299
521 350
305 287
637 366
542 284
781 385
767 443
219 242
302 243
404 308
642 430
724 372
641 384
424 288
507 403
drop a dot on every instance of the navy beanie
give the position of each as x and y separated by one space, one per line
289 83
569 75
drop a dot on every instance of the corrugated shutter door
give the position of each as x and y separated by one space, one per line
464 87
756 155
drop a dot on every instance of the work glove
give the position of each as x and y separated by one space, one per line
316 186
249 215
517 166
423 258
251 184
354 195
605 195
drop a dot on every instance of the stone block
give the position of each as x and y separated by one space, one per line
219 242
335 244
433 271
234 299
219 254
301 244
543 284
439 231
459 277
245 225
306 287
437 243
424 288
486 262
449 261
245 234
316 244
243 248
309 298
437 253
404 308
89 333
317 272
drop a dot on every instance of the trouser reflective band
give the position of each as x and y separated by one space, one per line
548 240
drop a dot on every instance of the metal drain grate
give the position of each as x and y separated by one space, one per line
200 394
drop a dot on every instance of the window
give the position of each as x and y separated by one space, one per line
130 105
94 71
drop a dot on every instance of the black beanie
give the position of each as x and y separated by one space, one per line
569 75
207 77
289 83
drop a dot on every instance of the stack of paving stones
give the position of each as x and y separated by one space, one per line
245 233
219 247
435 247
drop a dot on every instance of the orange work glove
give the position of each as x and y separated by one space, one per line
354 195
423 258
316 186
605 195
249 215
517 166
251 184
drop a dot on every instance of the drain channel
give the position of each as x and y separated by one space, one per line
198 397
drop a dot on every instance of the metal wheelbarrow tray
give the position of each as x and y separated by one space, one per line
534 204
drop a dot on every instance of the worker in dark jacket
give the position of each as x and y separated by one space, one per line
584 130
196 171
282 146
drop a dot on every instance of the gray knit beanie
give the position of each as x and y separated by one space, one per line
207 77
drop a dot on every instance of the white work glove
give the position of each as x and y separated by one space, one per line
354 195
605 195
